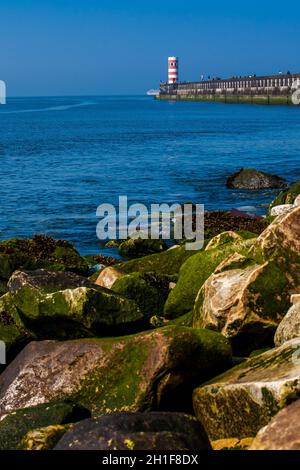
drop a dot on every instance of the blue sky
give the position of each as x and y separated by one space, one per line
88 47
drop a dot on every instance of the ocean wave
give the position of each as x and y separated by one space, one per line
64 107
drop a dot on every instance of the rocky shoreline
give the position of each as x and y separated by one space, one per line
168 350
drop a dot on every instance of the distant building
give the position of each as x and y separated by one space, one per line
273 84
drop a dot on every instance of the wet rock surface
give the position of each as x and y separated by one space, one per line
137 431
250 178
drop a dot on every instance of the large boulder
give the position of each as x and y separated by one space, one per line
134 373
137 431
250 178
148 291
244 301
280 241
283 431
64 305
244 399
289 327
14 426
248 294
39 252
196 270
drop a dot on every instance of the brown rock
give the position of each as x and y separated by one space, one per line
282 238
241 401
289 327
137 431
107 375
107 277
283 431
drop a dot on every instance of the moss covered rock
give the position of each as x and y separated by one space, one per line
44 438
12 332
165 263
249 292
134 373
134 247
244 399
137 431
244 301
196 270
39 252
16 425
64 305
146 290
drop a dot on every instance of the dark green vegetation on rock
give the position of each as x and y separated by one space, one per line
147 371
63 305
147 290
137 431
39 252
194 273
134 247
15 425
12 332
165 263
216 222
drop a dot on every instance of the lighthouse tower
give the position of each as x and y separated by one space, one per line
172 69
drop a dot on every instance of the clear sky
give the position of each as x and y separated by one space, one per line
87 47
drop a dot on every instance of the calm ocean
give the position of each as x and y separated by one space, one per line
62 157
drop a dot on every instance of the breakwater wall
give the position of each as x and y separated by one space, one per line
277 89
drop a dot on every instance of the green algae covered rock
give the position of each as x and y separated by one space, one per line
286 197
44 438
39 252
17 424
141 372
12 332
242 400
244 301
149 292
137 431
165 263
134 247
196 270
249 292
59 305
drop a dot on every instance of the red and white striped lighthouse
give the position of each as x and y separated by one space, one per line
172 69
